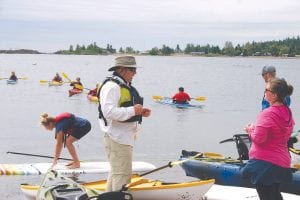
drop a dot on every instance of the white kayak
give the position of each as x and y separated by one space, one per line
144 189
85 168
220 192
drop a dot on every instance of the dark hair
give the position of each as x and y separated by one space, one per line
181 89
281 88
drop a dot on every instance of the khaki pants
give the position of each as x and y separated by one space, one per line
120 159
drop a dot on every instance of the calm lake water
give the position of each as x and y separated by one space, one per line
233 87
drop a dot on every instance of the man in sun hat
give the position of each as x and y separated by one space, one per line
120 111
268 73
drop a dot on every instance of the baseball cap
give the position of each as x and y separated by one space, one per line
268 69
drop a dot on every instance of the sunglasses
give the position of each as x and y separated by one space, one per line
268 90
131 69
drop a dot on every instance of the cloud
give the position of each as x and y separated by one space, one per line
143 24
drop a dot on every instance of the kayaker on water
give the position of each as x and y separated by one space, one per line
120 111
93 92
68 129
268 73
77 82
77 87
57 78
181 97
270 161
13 76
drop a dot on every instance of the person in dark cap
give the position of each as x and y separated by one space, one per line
181 97
120 111
268 73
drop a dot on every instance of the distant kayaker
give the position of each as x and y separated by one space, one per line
13 76
77 87
75 84
68 129
270 161
57 78
181 97
268 73
120 111
93 92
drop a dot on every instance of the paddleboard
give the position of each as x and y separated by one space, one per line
220 192
85 168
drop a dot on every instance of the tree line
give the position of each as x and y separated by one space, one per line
287 47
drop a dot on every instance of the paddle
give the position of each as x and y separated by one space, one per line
36 155
171 164
78 86
199 98
21 78
66 77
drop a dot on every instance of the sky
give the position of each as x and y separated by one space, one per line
51 25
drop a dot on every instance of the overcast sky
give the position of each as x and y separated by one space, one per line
50 25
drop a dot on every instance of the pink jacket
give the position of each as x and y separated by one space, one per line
270 136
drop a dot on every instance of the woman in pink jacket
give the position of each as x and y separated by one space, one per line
269 163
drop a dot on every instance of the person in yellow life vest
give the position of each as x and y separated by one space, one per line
120 111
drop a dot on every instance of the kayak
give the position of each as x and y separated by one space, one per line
56 186
169 101
11 82
74 91
85 168
92 98
55 83
145 189
226 171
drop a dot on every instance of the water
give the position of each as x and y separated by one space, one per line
233 87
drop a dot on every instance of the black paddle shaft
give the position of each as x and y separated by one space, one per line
157 169
36 155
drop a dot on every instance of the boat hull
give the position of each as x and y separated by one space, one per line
169 101
11 82
55 83
146 189
229 173
85 168
92 98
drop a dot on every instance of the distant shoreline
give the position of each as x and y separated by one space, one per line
30 52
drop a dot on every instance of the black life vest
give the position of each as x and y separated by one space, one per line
129 97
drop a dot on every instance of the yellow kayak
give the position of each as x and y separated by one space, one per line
55 83
145 189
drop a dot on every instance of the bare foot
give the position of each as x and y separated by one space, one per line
74 166
70 163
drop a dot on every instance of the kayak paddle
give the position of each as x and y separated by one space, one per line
199 98
21 78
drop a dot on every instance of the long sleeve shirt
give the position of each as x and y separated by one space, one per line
119 131
270 136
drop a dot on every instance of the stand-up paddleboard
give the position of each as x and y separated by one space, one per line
85 168
220 192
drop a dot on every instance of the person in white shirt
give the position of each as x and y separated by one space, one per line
120 111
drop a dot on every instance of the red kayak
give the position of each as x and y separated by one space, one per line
74 91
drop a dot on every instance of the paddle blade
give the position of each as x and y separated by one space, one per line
44 81
156 97
66 77
200 98
23 78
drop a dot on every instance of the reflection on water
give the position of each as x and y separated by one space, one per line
233 87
